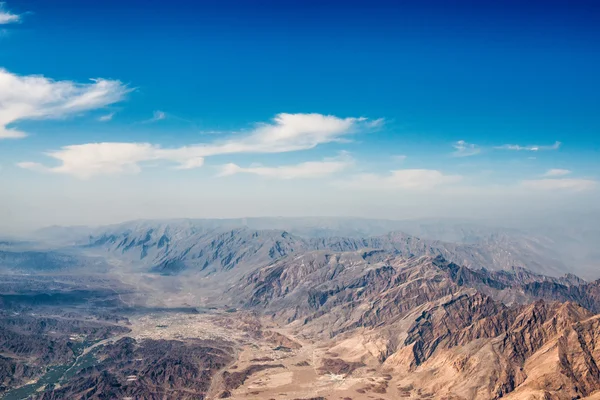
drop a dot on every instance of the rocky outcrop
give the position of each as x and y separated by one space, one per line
338 366
30 342
233 380
454 323
151 369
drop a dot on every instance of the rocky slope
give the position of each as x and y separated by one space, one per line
151 369
30 343
370 315
444 331
317 282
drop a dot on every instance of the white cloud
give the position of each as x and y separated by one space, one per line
288 132
190 162
557 172
106 118
464 149
292 132
399 158
310 169
409 179
87 160
517 147
37 97
6 17
560 184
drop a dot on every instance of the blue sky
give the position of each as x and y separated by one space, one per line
238 108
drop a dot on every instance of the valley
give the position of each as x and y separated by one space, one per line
268 315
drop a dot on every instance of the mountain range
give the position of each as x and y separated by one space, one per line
209 245
296 309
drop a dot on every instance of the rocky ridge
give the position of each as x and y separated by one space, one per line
422 316
171 249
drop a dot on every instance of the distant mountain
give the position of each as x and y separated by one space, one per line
171 250
174 247
546 249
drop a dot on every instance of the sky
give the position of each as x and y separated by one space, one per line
119 110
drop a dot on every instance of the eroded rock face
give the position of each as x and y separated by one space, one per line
279 340
539 348
428 317
446 324
233 380
338 366
150 369
30 342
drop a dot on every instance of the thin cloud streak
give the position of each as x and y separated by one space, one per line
305 170
406 179
107 117
560 184
464 149
557 172
516 147
156 116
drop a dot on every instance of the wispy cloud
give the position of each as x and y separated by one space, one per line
399 158
557 172
107 117
516 147
408 179
305 170
37 97
6 17
560 184
552 181
87 160
287 132
464 149
156 116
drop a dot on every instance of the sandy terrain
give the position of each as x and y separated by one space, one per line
300 370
